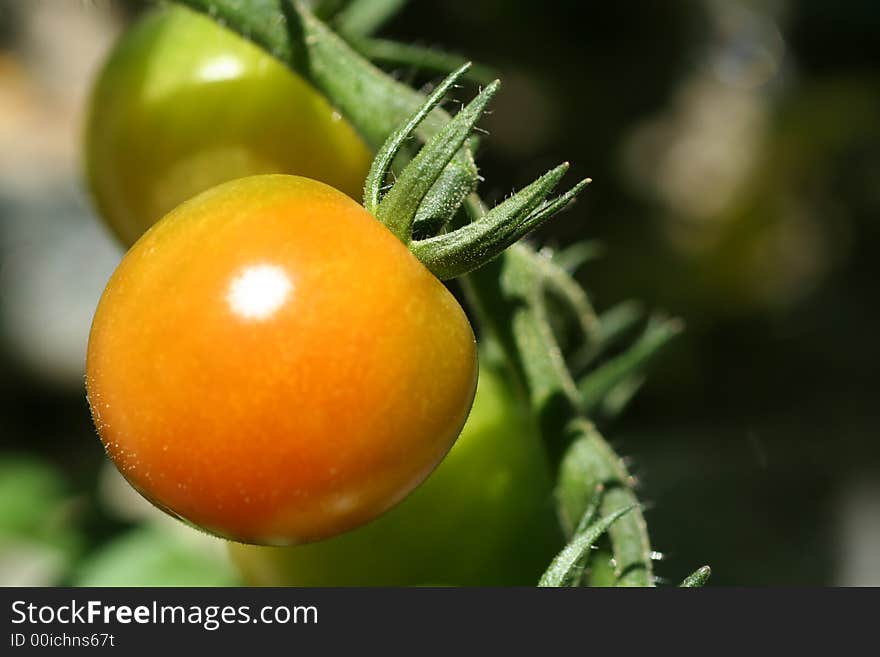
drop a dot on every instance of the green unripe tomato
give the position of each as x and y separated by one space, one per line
183 104
484 517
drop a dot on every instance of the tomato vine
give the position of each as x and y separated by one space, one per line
597 500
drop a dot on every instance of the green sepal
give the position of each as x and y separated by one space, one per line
557 281
590 512
618 398
397 210
453 254
445 198
618 321
697 579
567 568
573 257
385 157
596 385
612 325
551 207
364 17
576 577
327 9
419 58
505 215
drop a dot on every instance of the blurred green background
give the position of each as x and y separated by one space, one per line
735 152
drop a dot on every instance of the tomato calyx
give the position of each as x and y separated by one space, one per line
428 193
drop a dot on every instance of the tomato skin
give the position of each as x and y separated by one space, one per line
483 518
183 104
270 363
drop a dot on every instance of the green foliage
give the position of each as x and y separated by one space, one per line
39 539
30 492
153 556
43 539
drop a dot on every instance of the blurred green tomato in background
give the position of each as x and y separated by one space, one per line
484 517
183 104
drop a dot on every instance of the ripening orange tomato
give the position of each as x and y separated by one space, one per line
271 364
483 518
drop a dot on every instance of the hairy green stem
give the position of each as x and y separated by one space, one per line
586 460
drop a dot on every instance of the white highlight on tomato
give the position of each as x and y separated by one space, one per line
258 291
221 68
